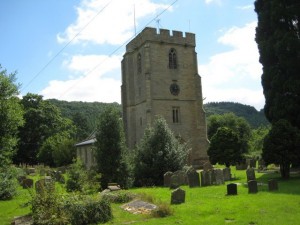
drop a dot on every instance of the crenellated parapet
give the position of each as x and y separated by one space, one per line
163 36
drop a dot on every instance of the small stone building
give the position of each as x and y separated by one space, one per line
85 151
160 77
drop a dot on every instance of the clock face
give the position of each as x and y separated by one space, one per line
174 89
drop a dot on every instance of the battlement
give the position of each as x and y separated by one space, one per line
164 35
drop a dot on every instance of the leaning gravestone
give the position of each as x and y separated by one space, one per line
232 189
167 178
252 187
227 174
193 178
178 196
205 178
250 174
273 185
27 183
174 181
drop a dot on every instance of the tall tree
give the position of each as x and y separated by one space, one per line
158 152
225 147
278 40
282 146
237 124
42 120
110 147
11 115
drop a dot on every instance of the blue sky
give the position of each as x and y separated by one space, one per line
72 49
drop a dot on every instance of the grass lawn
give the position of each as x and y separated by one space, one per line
204 205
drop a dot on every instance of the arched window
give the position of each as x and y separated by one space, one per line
172 59
139 63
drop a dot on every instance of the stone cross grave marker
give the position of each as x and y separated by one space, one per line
178 196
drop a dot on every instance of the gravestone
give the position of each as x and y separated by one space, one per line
207 166
44 184
205 178
193 178
20 179
252 187
227 174
178 196
167 178
181 176
219 177
31 170
273 185
241 165
59 177
174 181
232 189
250 174
27 183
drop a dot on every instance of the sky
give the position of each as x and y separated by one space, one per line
72 49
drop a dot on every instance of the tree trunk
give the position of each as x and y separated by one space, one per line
285 170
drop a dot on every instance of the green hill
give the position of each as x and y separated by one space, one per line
255 118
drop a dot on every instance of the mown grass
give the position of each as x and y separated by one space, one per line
204 205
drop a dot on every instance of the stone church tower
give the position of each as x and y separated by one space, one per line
160 77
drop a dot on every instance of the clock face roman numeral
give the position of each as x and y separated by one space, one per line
174 89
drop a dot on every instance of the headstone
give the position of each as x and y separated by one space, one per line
231 189
193 178
181 176
27 183
252 187
44 184
59 177
174 181
273 185
205 178
219 177
207 166
167 178
241 165
250 174
21 178
227 174
178 196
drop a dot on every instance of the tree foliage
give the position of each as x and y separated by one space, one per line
282 146
11 116
256 141
158 152
278 40
225 147
237 124
110 148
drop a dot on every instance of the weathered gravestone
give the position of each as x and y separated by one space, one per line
27 183
174 181
205 178
273 185
232 189
44 184
178 196
167 178
252 187
181 176
250 174
227 174
217 177
193 178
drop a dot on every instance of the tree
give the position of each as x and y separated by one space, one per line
225 147
278 40
42 120
282 146
110 147
11 116
237 124
256 141
158 152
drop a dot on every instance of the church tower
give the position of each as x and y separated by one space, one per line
160 77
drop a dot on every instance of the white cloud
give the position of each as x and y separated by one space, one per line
245 7
234 75
213 1
112 22
93 83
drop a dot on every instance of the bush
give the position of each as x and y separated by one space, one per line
163 210
77 176
87 210
8 182
118 197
